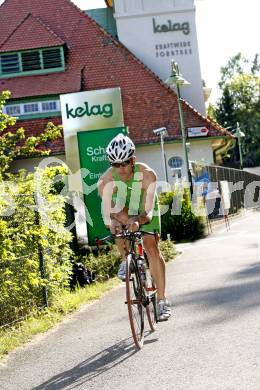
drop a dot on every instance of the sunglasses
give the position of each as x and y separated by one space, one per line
122 164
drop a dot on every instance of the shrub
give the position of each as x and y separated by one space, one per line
24 234
167 249
183 227
105 263
15 143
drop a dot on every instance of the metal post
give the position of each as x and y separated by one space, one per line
183 134
164 158
240 153
176 79
41 263
238 134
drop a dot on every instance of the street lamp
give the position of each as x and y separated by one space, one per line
239 134
176 80
162 132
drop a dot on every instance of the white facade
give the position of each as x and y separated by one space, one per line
152 156
149 154
29 164
157 31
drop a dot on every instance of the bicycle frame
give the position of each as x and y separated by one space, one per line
140 289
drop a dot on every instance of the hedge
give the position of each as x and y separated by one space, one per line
184 226
26 236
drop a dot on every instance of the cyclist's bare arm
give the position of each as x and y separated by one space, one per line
149 187
106 187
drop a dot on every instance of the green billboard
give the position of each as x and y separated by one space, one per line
93 163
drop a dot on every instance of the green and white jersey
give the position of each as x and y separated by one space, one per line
130 194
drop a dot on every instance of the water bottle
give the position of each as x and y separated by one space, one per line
141 266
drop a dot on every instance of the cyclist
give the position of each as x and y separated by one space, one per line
128 192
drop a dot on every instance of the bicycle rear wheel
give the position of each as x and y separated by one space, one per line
134 300
151 308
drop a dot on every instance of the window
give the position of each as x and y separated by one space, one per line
29 108
175 162
40 108
33 61
12 110
10 63
51 59
49 106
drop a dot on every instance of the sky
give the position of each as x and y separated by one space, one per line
224 28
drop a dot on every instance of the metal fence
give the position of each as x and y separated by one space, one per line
21 253
239 188
35 253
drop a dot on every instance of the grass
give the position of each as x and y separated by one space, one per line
65 303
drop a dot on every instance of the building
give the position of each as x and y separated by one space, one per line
156 31
53 48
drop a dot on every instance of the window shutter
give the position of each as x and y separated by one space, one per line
31 61
10 63
51 58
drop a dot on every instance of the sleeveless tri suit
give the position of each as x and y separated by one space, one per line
130 194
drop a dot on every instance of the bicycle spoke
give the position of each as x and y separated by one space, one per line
151 308
134 302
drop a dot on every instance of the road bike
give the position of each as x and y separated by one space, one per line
141 292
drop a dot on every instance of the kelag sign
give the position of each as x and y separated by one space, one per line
84 115
92 147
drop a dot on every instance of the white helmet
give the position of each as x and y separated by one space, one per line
120 149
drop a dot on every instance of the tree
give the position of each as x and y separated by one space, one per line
240 102
225 112
14 144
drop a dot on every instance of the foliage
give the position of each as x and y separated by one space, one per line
167 249
35 255
225 112
240 103
181 226
211 111
104 264
24 233
39 322
14 144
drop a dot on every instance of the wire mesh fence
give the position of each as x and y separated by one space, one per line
35 259
227 190
21 261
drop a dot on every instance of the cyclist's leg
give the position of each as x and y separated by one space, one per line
157 267
122 246
116 227
156 262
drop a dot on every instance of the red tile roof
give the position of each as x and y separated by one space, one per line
37 126
41 85
94 61
23 36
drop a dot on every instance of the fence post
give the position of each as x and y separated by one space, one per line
41 263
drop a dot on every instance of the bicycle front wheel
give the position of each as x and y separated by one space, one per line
151 307
134 300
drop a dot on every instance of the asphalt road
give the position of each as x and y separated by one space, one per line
211 342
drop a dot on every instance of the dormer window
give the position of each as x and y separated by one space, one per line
40 61
34 108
